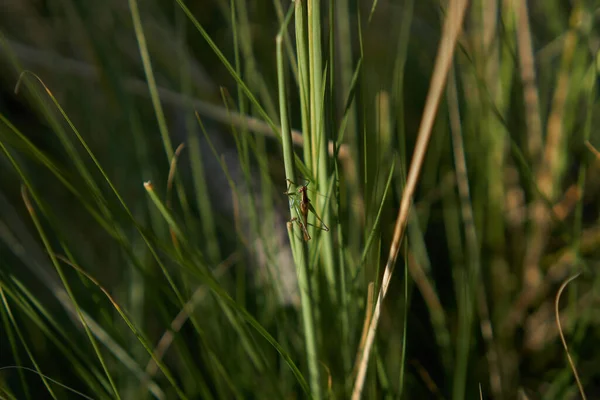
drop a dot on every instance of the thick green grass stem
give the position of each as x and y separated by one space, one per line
299 246
318 135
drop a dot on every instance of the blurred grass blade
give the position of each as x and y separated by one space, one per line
8 311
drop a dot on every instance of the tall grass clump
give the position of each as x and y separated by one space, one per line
307 199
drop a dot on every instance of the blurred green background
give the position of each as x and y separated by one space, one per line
190 290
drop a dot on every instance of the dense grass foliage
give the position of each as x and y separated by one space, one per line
153 220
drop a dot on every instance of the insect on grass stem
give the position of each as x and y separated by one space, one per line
302 205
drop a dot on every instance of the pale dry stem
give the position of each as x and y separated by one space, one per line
562 336
367 321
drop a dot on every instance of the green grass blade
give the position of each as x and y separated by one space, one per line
298 245
227 65
8 311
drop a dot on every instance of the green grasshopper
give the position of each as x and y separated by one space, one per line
302 207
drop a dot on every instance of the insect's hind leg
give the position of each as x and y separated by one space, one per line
322 227
302 228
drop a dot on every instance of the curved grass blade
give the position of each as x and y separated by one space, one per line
13 346
70 389
22 339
